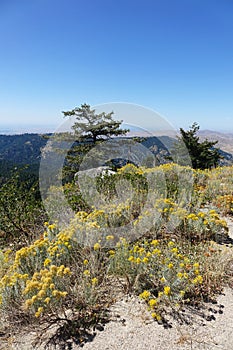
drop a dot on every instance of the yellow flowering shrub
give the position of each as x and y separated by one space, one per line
162 272
166 265
44 275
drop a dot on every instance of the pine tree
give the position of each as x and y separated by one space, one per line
203 154
89 129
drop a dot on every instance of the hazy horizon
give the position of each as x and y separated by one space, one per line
16 129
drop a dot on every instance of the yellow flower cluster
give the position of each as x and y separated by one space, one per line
32 275
41 288
61 244
145 295
166 267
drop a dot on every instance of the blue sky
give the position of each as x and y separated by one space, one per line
173 56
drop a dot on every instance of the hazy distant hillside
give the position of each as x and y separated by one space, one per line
159 146
225 140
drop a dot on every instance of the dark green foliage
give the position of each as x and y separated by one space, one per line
21 149
21 212
5 171
74 197
203 154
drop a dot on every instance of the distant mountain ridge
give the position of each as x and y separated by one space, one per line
225 140
225 144
26 148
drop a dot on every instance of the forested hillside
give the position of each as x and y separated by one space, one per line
25 149
21 149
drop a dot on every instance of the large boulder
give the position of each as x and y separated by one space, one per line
93 172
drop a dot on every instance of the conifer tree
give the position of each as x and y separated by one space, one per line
203 154
89 129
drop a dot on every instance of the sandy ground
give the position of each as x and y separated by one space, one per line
136 332
132 328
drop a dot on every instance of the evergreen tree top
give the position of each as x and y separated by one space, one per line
203 155
92 126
